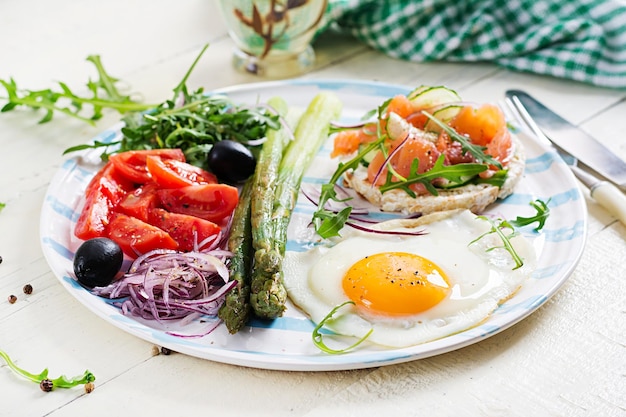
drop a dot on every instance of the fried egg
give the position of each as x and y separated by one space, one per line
408 289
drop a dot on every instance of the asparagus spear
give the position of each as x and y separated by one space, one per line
236 307
247 228
268 294
266 262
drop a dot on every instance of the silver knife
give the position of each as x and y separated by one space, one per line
574 141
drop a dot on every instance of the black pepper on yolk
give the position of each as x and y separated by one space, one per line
395 283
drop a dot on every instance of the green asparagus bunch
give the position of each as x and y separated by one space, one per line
274 191
268 294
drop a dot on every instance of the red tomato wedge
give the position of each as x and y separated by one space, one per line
171 173
213 202
132 164
139 202
94 218
111 182
105 190
184 229
136 237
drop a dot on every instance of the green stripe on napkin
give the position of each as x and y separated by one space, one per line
582 40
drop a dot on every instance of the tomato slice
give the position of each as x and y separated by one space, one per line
136 237
170 173
139 202
213 202
184 229
105 190
132 164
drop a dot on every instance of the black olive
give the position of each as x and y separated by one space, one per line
97 261
231 161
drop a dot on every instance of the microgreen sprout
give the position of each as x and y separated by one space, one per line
317 335
46 383
505 231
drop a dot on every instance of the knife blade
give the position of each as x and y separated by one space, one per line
589 152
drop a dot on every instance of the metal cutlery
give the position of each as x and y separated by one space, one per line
603 192
568 137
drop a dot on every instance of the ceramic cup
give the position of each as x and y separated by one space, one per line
273 37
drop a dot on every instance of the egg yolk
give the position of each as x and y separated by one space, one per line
395 283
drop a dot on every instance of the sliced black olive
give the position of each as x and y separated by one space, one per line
97 261
231 161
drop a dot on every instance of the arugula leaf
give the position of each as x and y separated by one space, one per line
456 175
42 377
317 336
196 125
326 222
498 178
191 121
104 95
543 212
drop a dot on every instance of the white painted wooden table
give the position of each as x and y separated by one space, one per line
566 359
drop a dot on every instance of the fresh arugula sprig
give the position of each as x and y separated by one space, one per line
195 126
192 121
104 94
456 175
541 215
328 223
318 337
46 383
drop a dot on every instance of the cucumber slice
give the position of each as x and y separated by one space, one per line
397 127
418 91
368 157
427 97
444 115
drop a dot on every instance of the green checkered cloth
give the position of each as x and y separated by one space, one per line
582 40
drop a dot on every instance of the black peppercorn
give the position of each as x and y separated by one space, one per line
46 385
28 289
12 299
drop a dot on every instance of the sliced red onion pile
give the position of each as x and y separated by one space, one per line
168 285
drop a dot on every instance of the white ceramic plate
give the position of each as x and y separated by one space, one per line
285 343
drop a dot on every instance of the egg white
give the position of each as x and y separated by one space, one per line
480 279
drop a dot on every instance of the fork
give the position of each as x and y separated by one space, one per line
603 192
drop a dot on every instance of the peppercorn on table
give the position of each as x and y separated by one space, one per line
566 357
